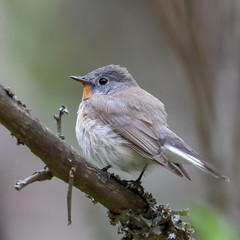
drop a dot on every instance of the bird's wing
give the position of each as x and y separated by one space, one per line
178 152
133 125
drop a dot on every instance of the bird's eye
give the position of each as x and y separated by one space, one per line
103 81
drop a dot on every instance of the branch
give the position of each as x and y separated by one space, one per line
62 110
41 175
60 157
139 215
69 194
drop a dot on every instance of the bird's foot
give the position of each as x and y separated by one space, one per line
105 169
135 185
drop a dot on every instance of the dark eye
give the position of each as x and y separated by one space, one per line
103 81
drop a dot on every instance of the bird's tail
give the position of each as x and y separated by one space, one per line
179 156
178 152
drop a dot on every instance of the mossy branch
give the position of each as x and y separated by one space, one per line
60 157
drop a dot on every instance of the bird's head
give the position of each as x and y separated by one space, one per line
106 80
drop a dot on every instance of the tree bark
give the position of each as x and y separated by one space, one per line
138 213
60 157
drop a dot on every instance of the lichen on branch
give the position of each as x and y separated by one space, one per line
60 157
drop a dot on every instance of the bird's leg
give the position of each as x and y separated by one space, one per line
138 181
136 185
105 169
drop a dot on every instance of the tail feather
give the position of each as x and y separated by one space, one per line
183 170
178 152
178 156
162 160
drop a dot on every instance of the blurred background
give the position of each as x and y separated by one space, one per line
186 53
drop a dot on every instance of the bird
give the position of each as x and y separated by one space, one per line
122 126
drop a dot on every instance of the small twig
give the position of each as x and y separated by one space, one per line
62 110
42 175
19 142
69 194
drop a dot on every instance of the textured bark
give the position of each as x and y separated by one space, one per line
139 215
60 157
133 211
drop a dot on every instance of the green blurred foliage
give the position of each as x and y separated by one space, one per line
211 225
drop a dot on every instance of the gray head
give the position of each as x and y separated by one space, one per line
107 80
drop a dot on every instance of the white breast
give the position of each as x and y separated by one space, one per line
101 145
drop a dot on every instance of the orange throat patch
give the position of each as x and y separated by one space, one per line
86 91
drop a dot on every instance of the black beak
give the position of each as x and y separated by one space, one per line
79 78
